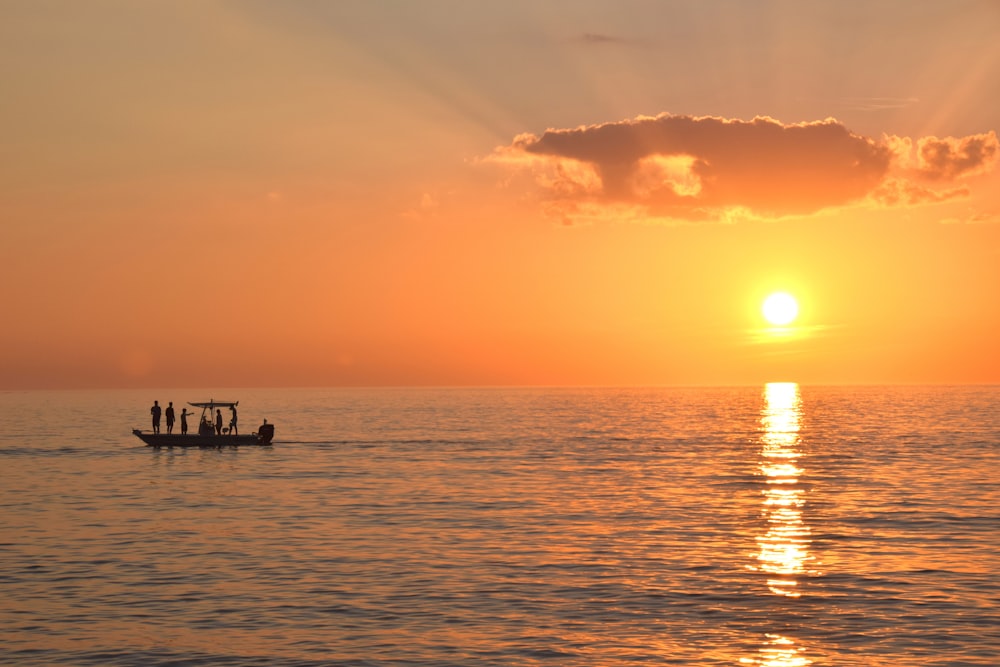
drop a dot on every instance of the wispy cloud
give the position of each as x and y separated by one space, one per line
879 103
975 218
904 192
600 38
709 168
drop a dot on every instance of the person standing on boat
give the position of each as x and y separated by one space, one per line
218 422
232 421
184 421
170 417
155 411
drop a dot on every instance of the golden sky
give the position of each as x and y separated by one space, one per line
253 193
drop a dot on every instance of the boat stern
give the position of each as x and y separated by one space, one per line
265 434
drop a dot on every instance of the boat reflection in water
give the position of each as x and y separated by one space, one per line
783 550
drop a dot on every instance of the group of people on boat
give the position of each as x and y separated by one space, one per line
205 428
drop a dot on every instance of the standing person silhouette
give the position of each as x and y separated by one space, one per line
170 417
184 421
155 411
232 421
218 422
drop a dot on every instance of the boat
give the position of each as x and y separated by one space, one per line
206 435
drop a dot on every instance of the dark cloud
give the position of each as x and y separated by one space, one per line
598 38
696 168
672 163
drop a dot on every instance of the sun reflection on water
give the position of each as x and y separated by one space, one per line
779 651
783 550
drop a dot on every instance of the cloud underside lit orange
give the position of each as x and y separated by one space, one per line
677 167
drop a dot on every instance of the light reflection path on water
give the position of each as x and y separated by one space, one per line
783 550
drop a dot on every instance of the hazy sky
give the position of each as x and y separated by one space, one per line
258 193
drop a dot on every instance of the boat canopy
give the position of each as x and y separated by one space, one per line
215 404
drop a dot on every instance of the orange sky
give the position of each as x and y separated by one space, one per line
224 194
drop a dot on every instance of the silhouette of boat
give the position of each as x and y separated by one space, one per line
206 435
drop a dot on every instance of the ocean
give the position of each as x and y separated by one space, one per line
777 525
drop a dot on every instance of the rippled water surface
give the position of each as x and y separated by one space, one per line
775 525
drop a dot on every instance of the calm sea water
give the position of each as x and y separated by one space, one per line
775 525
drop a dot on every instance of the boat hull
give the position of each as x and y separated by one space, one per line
195 440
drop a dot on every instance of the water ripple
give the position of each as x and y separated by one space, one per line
772 526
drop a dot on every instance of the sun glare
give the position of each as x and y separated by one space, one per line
780 309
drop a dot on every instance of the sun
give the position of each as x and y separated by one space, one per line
780 309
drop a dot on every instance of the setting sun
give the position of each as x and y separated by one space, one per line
780 309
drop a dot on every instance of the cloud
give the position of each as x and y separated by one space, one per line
426 208
902 192
598 38
975 218
678 167
879 103
949 158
